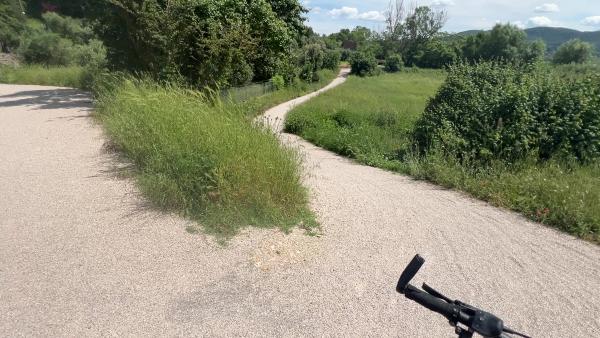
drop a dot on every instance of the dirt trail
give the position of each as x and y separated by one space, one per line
81 254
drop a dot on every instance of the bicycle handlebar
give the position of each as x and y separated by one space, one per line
476 320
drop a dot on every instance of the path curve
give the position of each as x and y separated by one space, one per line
82 255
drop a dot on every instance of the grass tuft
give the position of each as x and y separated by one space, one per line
203 157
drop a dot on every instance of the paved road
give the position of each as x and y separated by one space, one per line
82 255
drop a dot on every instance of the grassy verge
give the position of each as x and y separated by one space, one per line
75 76
205 158
370 120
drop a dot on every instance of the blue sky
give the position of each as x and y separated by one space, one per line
328 16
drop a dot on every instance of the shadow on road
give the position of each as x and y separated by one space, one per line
48 99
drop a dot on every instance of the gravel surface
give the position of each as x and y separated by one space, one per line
82 255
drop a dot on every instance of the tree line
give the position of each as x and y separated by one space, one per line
221 43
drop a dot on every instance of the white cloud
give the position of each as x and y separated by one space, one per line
353 13
592 20
539 21
547 8
346 12
442 3
371 16
519 24
316 10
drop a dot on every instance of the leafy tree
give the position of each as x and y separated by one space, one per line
407 32
393 63
436 54
504 42
11 24
311 61
209 42
60 41
363 64
574 51
331 59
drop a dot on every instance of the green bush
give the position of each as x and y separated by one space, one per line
332 59
574 51
278 82
495 111
48 49
61 41
311 61
393 63
67 27
363 64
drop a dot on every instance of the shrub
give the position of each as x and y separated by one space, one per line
92 54
573 51
278 82
311 61
47 48
67 27
393 63
493 111
332 59
363 64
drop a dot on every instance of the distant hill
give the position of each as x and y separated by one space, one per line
554 36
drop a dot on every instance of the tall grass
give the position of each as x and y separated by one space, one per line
371 120
205 158
72 76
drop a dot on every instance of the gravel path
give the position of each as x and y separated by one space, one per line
82 255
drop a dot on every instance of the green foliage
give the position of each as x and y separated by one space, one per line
363 64
11 25
203 158
311 60
60 41
331 59
495 111
73 76
506 43
278 82
393 63
573 51
436 54
67 27
208 42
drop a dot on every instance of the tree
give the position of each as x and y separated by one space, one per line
436 54
574 51
209 42
506 43
407 32
11 24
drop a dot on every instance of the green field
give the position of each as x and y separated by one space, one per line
368 119
371 119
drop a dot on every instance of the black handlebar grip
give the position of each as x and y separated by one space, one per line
450 311
409 272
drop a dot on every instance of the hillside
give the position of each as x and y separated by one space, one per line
554 36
